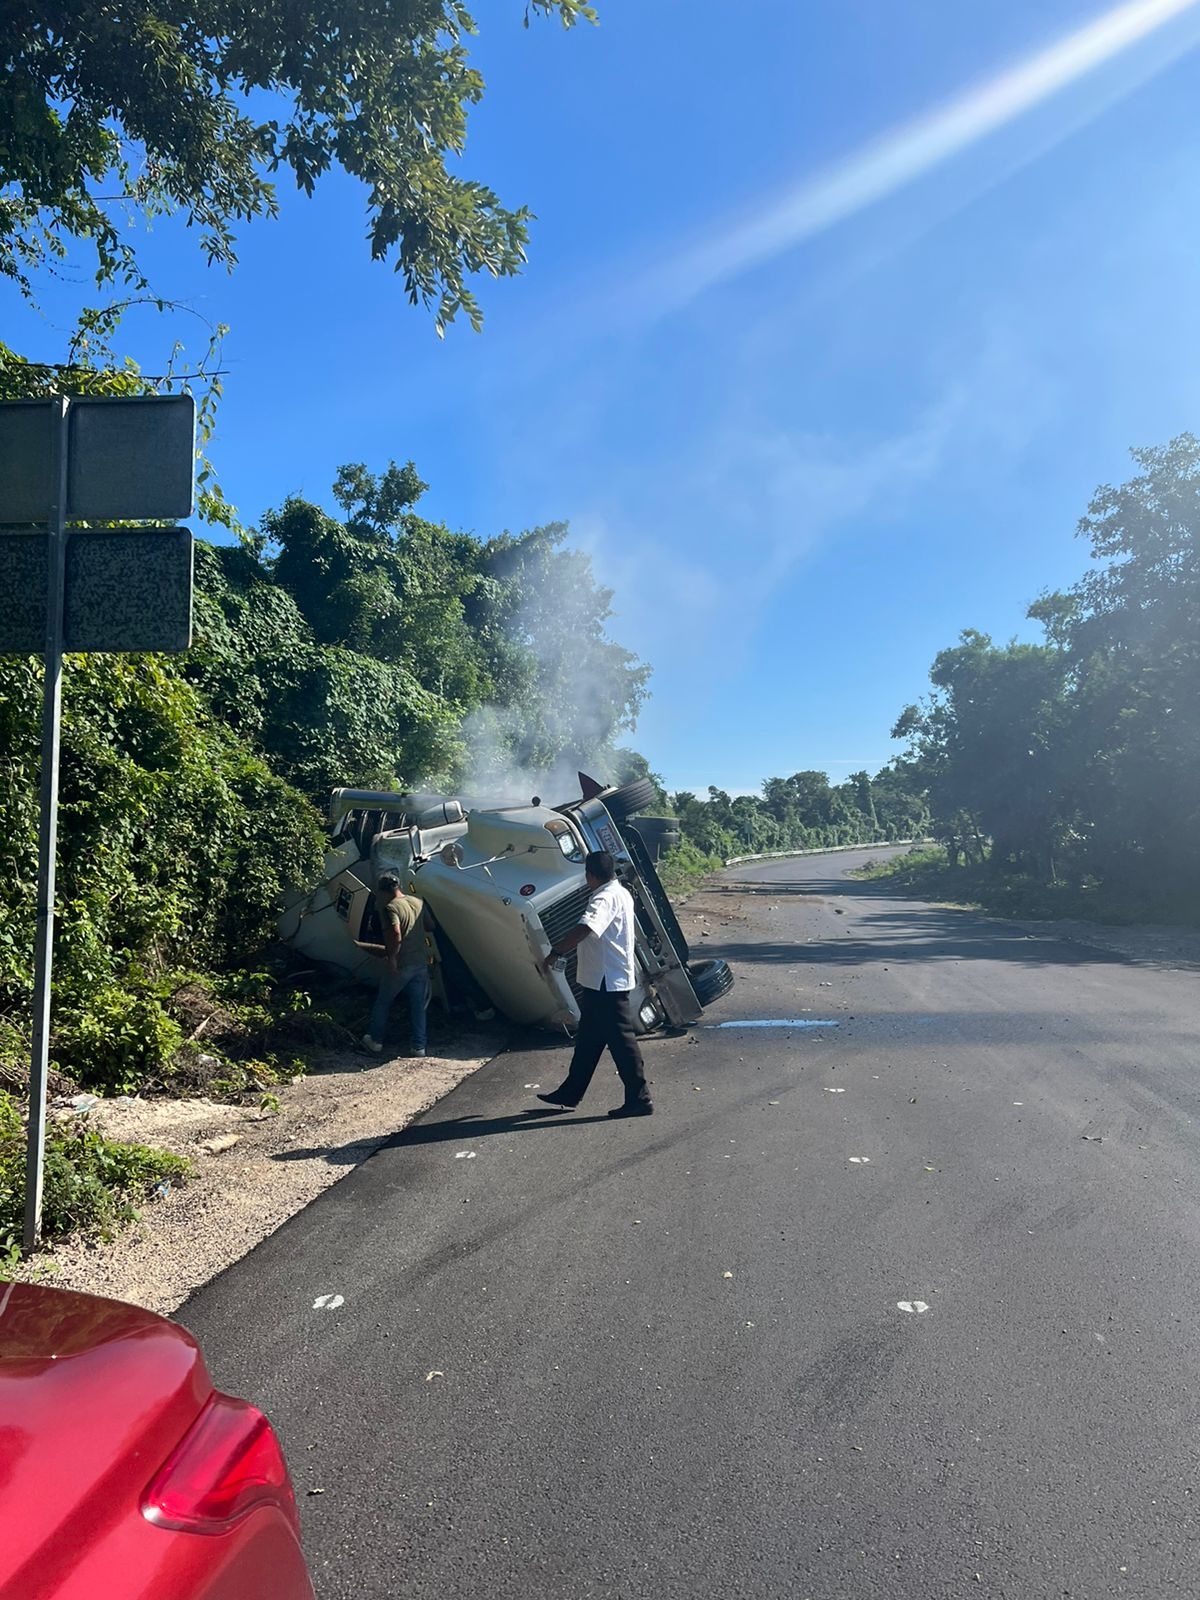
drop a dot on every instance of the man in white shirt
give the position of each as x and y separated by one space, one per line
605 972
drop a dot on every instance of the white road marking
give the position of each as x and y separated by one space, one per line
861 1160
464 1155
916 1306
328 1302
779 1022
828 1090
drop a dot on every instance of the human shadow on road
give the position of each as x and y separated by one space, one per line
458 1130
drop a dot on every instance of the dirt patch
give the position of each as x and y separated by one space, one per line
326 1124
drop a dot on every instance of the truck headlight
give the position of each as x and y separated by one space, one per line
564 838
649 1015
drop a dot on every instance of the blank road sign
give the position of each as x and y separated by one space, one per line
25 461
127 590
129 460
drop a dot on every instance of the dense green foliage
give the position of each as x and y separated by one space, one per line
1077 761
175 844
804 812
91 1184
191 105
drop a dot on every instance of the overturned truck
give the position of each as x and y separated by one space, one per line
501 886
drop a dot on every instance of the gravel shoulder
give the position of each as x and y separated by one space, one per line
327 1123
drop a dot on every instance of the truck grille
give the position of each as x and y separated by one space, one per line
560 918
564 914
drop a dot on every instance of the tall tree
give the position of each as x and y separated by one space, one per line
989 741
153 106
1130 633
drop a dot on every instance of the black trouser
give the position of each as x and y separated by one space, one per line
604 1019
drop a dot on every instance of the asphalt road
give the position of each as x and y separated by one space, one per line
672 1357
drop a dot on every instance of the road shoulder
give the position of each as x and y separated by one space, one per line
253 1168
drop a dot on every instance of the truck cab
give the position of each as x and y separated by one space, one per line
501 885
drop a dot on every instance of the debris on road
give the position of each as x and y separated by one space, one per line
222 1142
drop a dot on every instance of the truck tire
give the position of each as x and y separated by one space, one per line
710 979
630 798
659 835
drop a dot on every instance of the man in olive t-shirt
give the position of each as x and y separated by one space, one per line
403 918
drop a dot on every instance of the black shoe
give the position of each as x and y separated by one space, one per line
636 1108
557 1103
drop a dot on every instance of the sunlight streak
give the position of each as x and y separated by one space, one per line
906 153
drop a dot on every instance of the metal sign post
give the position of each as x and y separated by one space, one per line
69 461
43 952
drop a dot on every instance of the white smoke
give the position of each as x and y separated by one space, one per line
492 776
567 722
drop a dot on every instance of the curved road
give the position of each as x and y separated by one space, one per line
896 1300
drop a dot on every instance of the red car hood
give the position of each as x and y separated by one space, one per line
94 1395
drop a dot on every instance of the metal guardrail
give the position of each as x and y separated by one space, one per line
822 850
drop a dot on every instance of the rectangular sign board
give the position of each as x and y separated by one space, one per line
129 460
26 440
125 590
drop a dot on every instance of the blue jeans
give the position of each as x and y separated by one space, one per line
413 981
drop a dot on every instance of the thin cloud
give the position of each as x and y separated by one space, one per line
900 157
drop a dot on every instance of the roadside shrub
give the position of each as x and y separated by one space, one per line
92 1186
118 1040
682 868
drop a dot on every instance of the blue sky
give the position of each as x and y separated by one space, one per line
835 317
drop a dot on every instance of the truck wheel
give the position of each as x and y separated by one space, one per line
630 798
710 980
